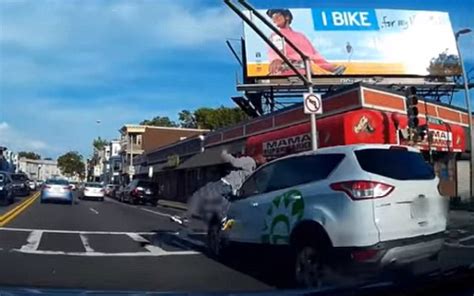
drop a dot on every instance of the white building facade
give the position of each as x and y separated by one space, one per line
39 169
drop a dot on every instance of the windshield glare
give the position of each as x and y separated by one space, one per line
217 147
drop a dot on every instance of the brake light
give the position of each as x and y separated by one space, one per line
358 190
86 189
46 187
67 187
134 191
364 255
102 190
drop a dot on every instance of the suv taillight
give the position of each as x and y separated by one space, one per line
358 190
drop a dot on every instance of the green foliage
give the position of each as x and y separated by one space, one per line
187 119
203 118
164 121
99 143
71 164
209 118
29 155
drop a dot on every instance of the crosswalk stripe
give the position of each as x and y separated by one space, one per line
33 241
85 242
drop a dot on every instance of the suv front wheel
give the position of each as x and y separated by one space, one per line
309 267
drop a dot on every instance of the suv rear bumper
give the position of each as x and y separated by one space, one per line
388 255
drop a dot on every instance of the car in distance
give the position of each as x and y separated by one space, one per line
6 189
20 184
372 206
56 190
93 190
140 191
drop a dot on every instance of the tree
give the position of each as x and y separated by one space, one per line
71 164
187 119
445 65
99 143
29 155
212 119
160 121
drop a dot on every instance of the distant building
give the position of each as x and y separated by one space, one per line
114 163
39 169
8 160
138 139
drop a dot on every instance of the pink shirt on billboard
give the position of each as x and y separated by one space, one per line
302 42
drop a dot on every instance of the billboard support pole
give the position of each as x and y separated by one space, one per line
469 111
267 41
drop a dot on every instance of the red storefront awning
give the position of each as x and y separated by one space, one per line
354 127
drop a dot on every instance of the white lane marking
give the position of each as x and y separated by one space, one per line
151 248
33 241
157 213
85 242
138 238
466 238
94 211
72 231
98 254
140 208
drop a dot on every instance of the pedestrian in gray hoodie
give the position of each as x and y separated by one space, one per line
211 199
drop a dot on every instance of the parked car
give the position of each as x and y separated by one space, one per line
20 184
93 190
374 206
6 189
110 190
56 190
140 191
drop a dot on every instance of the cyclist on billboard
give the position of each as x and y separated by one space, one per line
282 18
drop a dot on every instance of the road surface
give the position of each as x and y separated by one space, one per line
114 246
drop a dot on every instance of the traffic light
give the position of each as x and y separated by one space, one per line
422 132
412 109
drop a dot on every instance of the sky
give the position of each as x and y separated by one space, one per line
65 64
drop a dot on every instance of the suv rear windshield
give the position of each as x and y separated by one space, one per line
395 163
19 177
94 185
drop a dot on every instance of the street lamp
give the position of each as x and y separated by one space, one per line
468 105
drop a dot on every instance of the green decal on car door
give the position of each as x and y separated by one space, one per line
284 211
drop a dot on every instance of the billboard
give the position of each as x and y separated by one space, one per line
354 42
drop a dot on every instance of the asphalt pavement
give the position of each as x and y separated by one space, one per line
109 245
114 246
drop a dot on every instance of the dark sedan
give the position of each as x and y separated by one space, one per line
20 185
6 189
140 191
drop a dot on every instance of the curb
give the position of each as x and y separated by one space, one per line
173 204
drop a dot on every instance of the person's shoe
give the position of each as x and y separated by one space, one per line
339 70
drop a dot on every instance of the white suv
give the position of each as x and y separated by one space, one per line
370 204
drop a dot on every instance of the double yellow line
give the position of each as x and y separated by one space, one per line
10 215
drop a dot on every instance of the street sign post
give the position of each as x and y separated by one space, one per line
312 106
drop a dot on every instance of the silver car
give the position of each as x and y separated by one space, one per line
56 190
